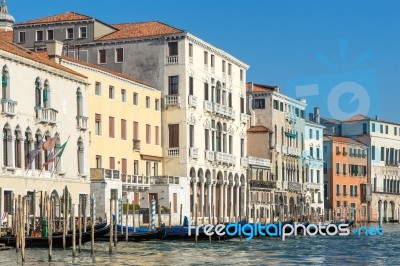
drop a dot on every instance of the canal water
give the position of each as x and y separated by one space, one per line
310 250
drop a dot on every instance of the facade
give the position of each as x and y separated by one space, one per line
345 178
125 148
41 100
260 184
6 20
313 157
383 141
285 117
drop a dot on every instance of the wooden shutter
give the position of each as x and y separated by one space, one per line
173 132
123 166
98 118
112 163
111 127
157 135
135 130
148 134
123 129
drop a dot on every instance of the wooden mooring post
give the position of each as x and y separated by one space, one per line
73 230
110 247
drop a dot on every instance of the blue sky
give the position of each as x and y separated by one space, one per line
341 55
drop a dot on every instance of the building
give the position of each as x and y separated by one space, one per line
260 183
383 141
285 117
313 157
41 100
6 20
345 178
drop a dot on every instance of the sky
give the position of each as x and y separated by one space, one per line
342 56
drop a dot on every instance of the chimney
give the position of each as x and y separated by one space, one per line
377 117
316 115
54 49
311 117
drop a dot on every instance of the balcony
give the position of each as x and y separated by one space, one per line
136 144
219 109
172 100
82 122
244 162
135 182
262 184
310 186
284 150
285 185
210 156
172 60
46 115
278 148
192 100
292 118
194 153
8 107
293 151
243 118
208 106
173 152
295 186
225 158
98 174
260 162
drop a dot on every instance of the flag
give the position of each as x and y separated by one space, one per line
3 216
52 156
34 153
49 144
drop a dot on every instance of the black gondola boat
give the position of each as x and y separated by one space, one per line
158 234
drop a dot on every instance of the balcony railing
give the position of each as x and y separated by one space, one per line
136 180
310 185
164 180
296 186
102 173
194 153
208 106
171 100
255 161
46 115
293 151
262 184
82 122
210 156
223 110
225 158
8 107
172 60
285 185
192 101
244 161
173 152
136 144
278 148
243 118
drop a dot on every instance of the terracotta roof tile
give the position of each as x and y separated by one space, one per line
67 16
258 129
260 87
22 52
6 36
103 69
358 117
343 140
140 29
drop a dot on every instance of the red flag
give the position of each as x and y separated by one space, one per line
49 144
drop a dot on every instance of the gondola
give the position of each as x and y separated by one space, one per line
158 234
43 242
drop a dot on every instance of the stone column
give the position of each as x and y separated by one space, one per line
202 200
22 155
194 188
237 201
209 201
214 211
231 200
221 203
225 201
11 152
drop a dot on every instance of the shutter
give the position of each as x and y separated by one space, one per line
98 118
123 166
45 95
112 163
157 135
176 136
4 81
111 127
135 130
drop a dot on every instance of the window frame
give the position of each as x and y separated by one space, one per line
36 36
117 55
20 34
80 32
67 33
100 51
47 34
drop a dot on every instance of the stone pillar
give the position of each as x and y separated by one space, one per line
194 188
209 201
221 203
202 200
22 154
225 201
231 200
10 152
237 201
213 209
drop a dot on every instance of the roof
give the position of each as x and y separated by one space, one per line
343 140
25 53
6 35
314 123
260 87
67 16
358 117
104 70
259 129
330 120
140 29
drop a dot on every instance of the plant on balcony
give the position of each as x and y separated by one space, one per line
164 209
338 152
344 153
262 183
130 206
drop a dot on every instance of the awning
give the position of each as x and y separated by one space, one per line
290 135
150 158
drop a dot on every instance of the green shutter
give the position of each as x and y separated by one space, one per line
4 80
45 95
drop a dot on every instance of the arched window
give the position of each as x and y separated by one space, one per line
276 135
218 91
57 146
38 158
282 136
79 105
17 147
46 94
27 146
80 156
6 145
38 96
5 83
283 172
219 133
46 152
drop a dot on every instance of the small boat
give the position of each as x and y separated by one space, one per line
393 221
158 234
43 242
122 229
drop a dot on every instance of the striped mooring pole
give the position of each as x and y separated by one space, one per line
120 213
153 214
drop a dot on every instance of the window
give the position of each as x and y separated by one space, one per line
312 152
223 66
70 33
337 190
111 130
79 100
276 105
148 134
318 154
123 96
123 167
344 169
364 128
206 139
373 127
148 168
97 89
381 128
190 85
337 168
351 190
98 161
382 153
325 168
102 56
318 176
212 61
173 85
395 131
157 130
50 35
230 99
317 134
373 152
39 35
241 105
281 107
173 48
344 190
355 194
136 167
112 163
82 32
111 92
157 104
205 91
155 167
81 157
97 125
173 135
190 50
229 69
387 129
311 135
241 75
191 136
338 205
241 147
21 36
135 98
205 58
135 130
119 55
259 103
148 102
123 129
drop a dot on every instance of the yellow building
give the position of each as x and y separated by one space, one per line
125 135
